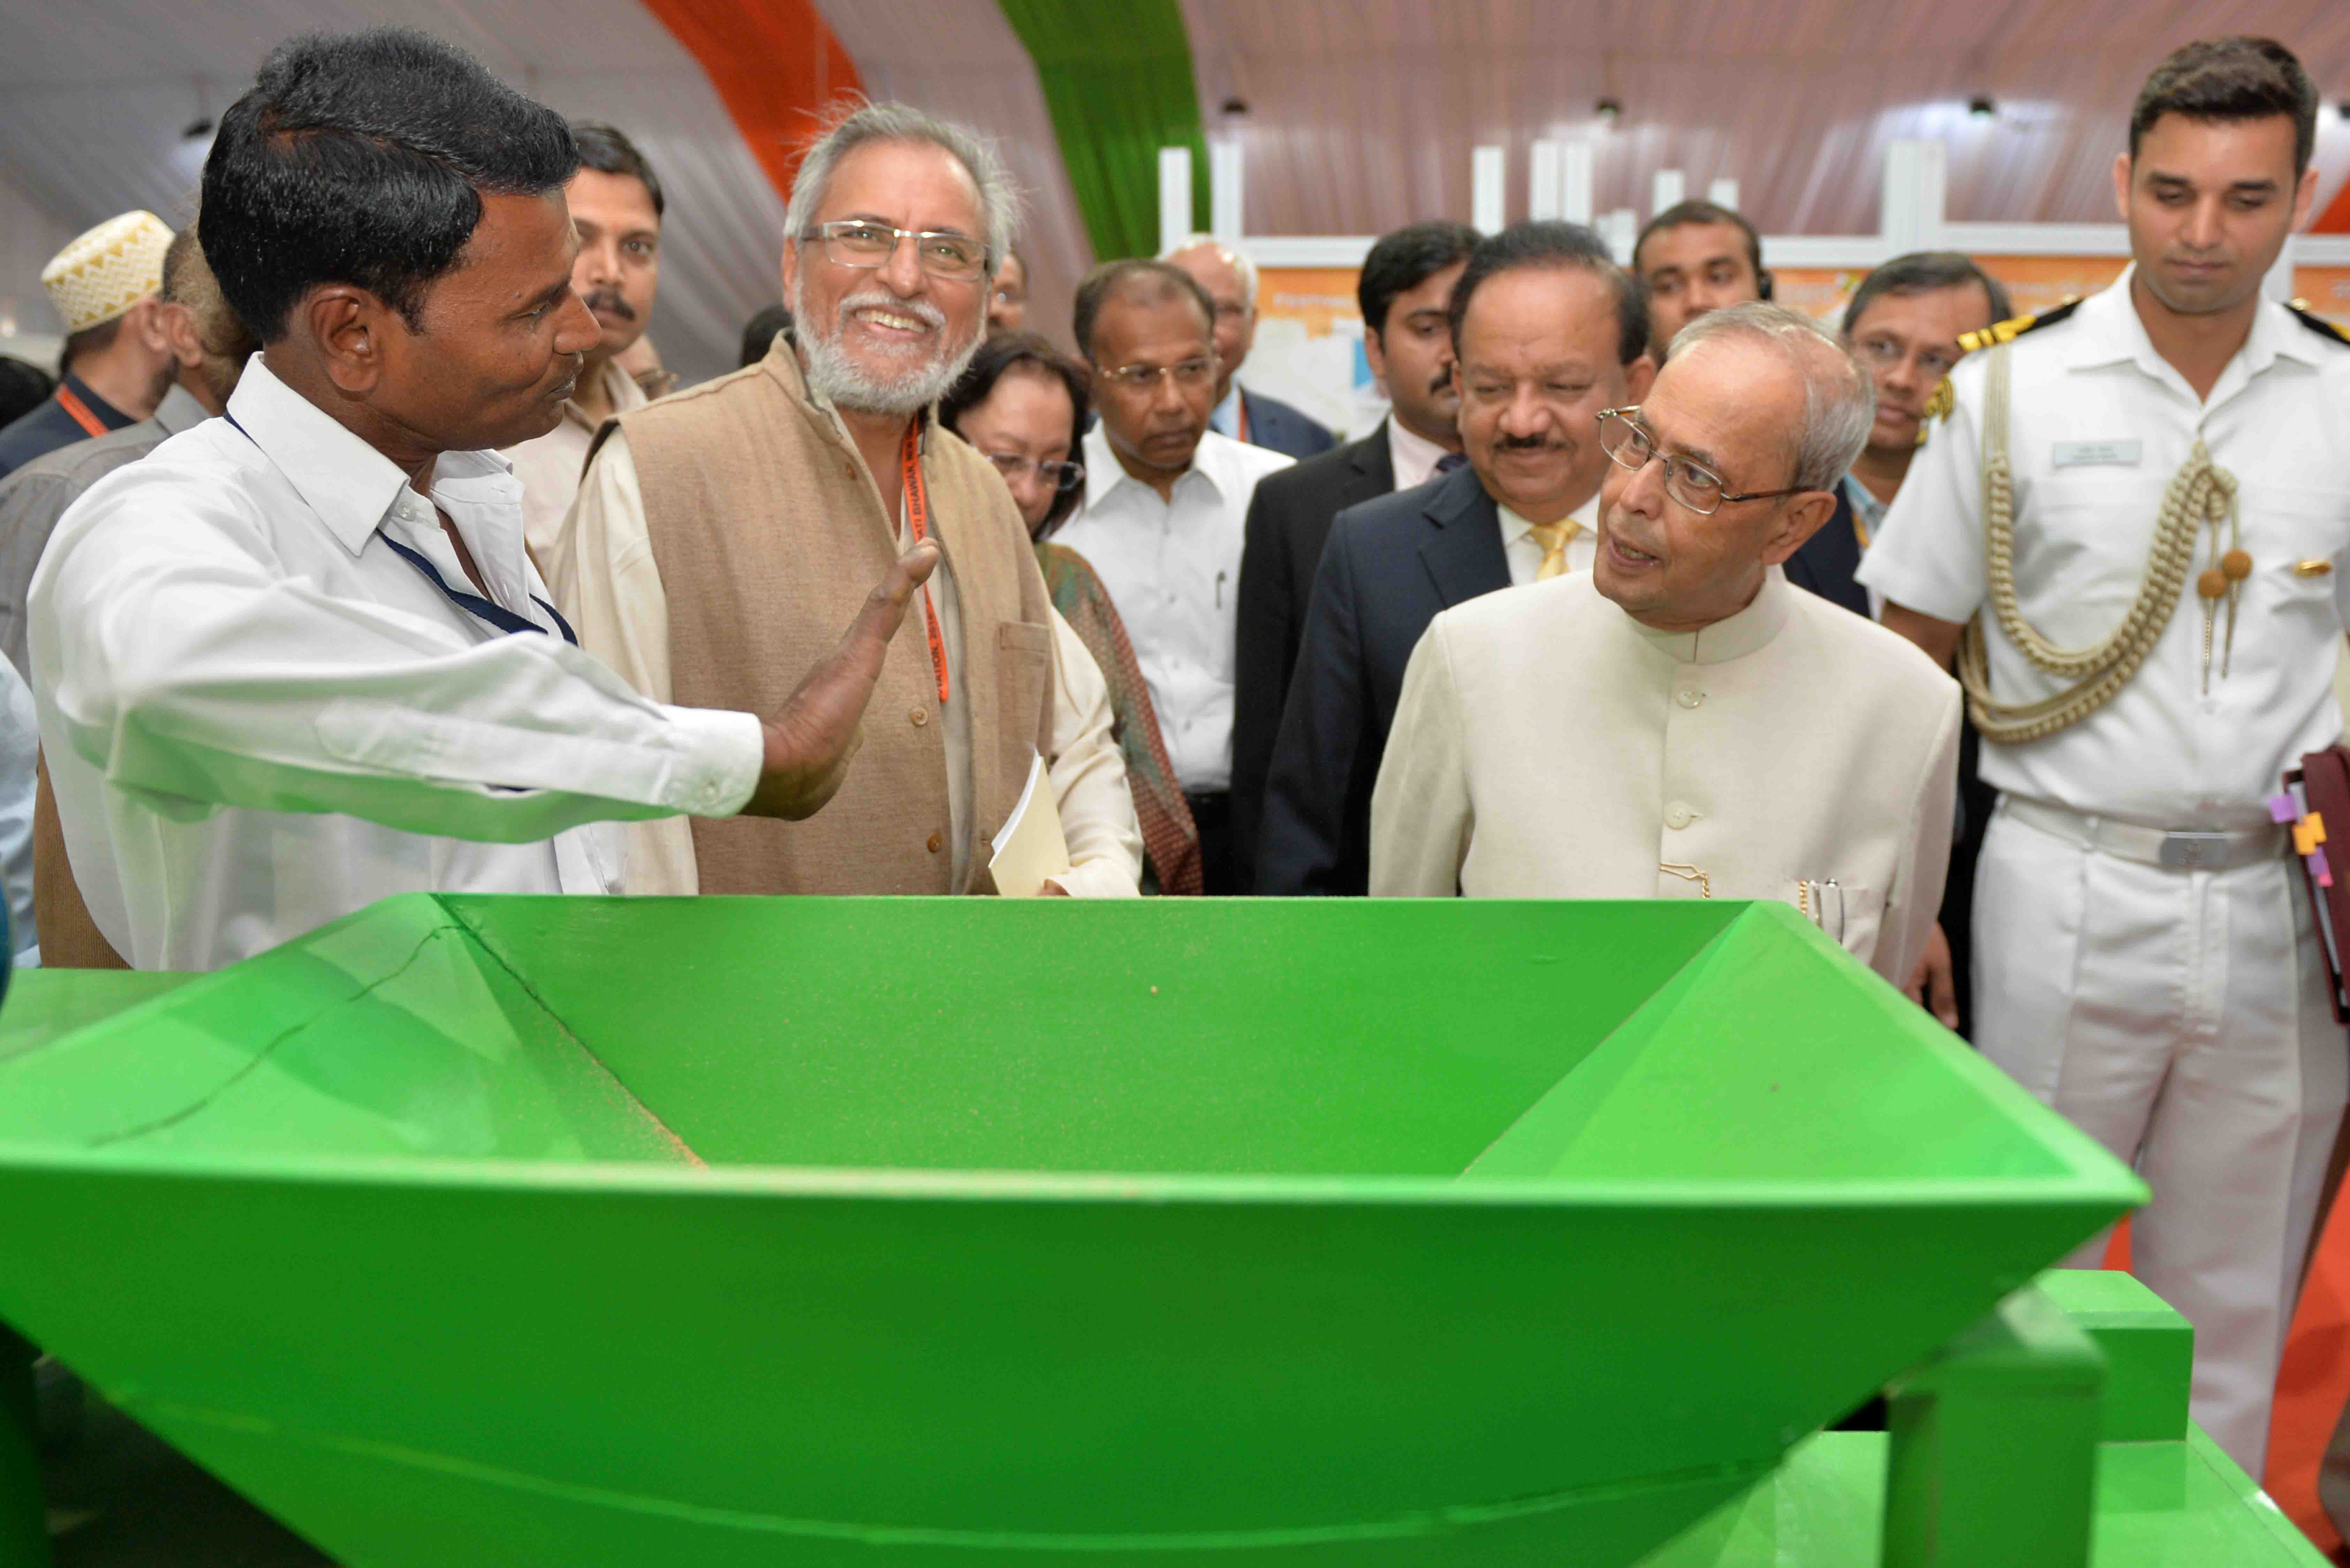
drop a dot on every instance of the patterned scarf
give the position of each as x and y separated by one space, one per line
1171 843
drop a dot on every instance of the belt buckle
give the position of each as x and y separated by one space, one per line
2192 851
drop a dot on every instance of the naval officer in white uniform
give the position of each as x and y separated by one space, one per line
1680 721
2160 619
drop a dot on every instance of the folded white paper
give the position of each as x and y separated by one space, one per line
1029 850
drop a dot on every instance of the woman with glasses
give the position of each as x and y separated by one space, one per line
1025 408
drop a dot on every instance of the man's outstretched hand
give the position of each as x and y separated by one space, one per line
811 739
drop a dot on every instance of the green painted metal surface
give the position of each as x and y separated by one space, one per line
903 1232
2160 1505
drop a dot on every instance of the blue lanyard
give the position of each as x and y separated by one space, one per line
497 615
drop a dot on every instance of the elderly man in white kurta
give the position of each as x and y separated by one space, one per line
1682 723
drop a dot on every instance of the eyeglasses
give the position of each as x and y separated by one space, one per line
1143 380
1059 475
853 241
1883 353
1629 445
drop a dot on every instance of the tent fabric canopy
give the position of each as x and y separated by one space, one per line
1352 116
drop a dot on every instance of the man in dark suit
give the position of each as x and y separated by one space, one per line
1826 564
1547 331
1904 324
1230 278
1404 290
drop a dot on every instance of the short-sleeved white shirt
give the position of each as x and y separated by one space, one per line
2098 424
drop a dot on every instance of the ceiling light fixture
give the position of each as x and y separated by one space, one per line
1608 111
1982 108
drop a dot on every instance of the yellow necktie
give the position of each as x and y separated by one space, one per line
1553 538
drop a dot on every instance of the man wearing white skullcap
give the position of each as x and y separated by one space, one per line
117 362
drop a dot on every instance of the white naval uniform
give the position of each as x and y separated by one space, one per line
2177 1015
1547 745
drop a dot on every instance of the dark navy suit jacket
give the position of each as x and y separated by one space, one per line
1391 565
1828 559
1289 520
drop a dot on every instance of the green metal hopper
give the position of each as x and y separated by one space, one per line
494 1232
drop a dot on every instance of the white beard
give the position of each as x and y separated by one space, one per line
850 385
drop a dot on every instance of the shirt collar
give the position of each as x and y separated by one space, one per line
2112 333
1865 504
1514 527
619 388
347 482
179 410
1225 418
1413 456
1209 467
1733 636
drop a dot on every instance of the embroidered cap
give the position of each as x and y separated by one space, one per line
108 270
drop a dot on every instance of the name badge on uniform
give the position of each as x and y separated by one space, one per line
2099 453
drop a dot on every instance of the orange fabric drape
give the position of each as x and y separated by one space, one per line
2313 1383
2336 219
776 67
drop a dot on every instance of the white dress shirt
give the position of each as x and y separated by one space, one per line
1525 552
20 751
2099 422
259 717
1173 569
1414 457
1547 745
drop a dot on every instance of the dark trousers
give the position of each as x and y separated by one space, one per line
1212 815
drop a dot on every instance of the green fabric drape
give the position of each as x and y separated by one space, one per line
1117 76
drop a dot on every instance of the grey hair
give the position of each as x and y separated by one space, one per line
1839 397
999 199
1239 259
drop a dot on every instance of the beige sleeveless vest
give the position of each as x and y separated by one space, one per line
768 533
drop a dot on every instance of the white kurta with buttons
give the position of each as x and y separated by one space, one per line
1547 745
258 717
1173 569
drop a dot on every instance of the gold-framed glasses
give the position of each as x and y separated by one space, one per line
1143 380
1059 475
859 242
1629 444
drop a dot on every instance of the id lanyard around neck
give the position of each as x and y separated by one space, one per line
79 412
475 604
918 518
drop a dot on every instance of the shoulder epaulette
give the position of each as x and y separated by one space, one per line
2317 323
2009 330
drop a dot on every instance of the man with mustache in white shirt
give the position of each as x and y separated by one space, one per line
297 659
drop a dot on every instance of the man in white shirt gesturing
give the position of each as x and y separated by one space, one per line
297 661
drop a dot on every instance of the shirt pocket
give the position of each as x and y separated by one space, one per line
2299 539
1024 685
1850 914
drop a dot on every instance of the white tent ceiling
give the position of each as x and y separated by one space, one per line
1360 113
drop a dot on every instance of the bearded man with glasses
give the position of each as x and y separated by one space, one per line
1679 721
715 529
1166 509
